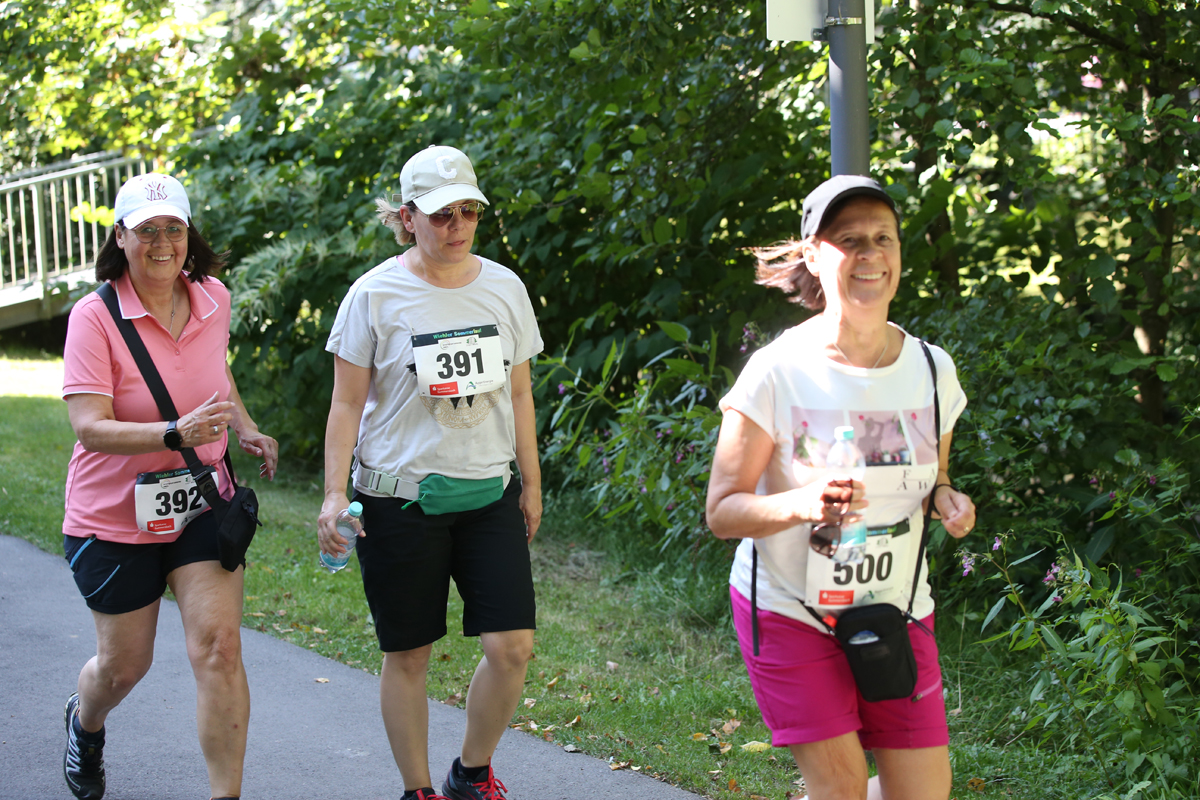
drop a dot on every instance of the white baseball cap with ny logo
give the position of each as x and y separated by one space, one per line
151 195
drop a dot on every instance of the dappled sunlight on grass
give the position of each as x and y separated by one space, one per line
26 377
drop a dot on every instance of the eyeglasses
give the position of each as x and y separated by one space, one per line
148 234
825 538
470 212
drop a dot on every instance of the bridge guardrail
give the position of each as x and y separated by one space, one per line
43 233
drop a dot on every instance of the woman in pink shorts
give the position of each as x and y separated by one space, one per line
846 366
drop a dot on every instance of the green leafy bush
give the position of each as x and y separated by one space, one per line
1113 663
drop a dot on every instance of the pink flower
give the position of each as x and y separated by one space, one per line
996 544
1092 81
1153 480
562 388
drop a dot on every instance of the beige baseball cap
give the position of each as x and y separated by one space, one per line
438 176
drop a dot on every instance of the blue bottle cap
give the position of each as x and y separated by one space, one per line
355 509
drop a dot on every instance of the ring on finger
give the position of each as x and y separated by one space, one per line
216 429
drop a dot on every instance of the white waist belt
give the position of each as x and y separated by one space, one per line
379 481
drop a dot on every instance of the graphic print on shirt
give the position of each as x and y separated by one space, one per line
901 455
460 374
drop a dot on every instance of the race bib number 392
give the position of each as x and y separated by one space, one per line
167 501
460 362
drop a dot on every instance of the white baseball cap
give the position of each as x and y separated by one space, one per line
438 176
151 195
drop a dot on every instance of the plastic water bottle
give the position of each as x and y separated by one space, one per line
349 526
846 461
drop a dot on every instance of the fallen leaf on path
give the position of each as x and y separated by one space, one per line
976 784
530 702
453 699
619 765
444 657
612 666
731 726
570 748
256 614
552 683
699 737
733 786
756 747
322 680
578 719
319 630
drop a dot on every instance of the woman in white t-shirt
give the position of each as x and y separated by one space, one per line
432 402
846 366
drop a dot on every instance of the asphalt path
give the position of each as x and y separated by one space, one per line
308 739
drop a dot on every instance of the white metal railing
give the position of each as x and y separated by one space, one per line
43 233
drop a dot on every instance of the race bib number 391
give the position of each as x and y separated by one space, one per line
167 501
459 362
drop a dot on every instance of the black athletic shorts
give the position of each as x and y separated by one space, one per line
408 557
115 578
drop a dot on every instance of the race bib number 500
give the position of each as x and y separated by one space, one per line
885 567
167 501
459 362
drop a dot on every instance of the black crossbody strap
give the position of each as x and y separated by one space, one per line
937 446
202 473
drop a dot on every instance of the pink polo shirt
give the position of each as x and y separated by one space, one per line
96 360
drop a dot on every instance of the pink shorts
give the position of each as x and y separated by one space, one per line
806 692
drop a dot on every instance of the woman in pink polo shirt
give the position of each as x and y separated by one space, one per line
124 543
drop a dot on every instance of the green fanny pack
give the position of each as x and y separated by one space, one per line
438 494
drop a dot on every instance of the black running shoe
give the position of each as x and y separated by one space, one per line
457 787
83 764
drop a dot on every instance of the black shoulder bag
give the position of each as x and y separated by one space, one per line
237 519
875 637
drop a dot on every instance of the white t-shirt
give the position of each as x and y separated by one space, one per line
797 395
483 328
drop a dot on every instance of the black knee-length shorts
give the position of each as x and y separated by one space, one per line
408 557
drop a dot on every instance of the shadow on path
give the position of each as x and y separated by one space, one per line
323 741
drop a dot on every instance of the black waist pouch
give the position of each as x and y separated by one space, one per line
875 640
237 526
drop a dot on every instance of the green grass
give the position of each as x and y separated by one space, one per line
635 659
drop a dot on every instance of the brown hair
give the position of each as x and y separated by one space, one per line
202 260
782 266
389 215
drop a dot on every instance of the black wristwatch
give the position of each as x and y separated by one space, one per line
172 438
